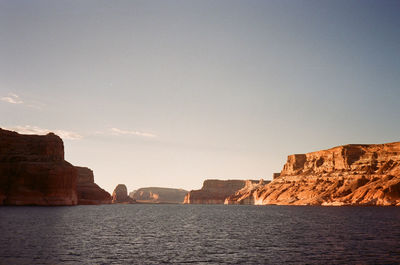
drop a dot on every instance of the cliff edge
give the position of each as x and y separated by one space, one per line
33 171
353 174
88 191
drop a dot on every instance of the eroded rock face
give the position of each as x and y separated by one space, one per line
120 195
88 191
344 175
247 195
159 195
214 191
33 171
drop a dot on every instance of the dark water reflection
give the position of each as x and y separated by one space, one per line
154 234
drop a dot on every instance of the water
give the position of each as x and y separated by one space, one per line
200 234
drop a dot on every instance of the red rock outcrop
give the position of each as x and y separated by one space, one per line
343 175
88 191
159 195
120 195
33 171
248 194
214 191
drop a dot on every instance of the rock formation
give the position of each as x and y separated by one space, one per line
246 194
33 171
120 195
159 195
214 191
88 191
343 175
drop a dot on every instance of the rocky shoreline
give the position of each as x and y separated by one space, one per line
33 172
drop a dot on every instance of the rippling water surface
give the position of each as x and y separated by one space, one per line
214 234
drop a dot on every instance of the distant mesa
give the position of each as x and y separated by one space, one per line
33 172
158 195
215 191
344 175
120 195
88 191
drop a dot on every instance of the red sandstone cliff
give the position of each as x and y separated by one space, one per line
248 194
88 191
343 175
33 171
159 195
214 191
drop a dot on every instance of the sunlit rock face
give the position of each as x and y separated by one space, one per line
33 171
120 195
344 175
88 191
247 195
159 195
214 191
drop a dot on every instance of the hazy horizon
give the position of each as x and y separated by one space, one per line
170 93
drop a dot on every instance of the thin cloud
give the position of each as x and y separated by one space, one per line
12 99
27 129
116 131
35 105
13 95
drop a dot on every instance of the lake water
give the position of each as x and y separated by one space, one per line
199 234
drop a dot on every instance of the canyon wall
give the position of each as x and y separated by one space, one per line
159 195
343 175
33 171
214 191
246 194
88 191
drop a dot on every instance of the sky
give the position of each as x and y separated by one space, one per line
169 93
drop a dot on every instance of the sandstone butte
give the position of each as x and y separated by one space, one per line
214 191
158 195
33 172
120 195
355 174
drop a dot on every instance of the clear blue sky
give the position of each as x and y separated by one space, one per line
168 93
